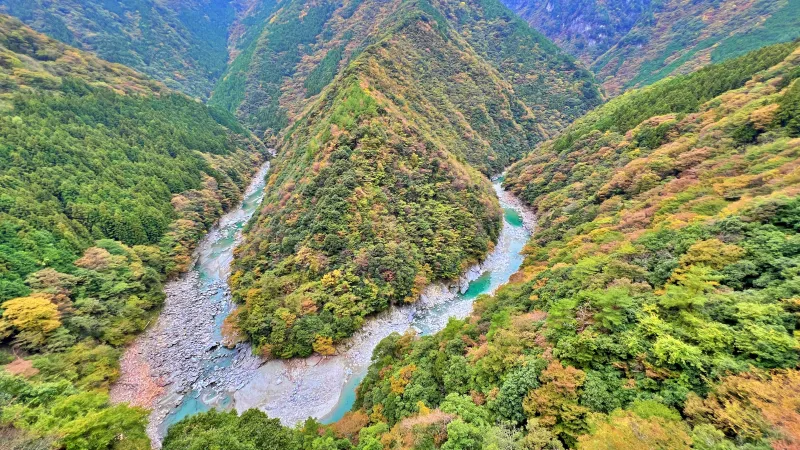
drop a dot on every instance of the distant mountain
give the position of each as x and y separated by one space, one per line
586 28
630 43
183 43
391 110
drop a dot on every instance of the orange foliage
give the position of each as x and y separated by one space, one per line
349 425
231 335
95 258
627 431
752 404
324 346
556 400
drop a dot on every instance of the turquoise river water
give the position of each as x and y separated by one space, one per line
214 387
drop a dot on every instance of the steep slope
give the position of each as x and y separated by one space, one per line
634 43
375 193
587 28
33 62
684 35
107 181
185 44
689 223
657 307
305 45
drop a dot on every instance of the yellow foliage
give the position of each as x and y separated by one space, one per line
286 316
402 378
331 279
324 345
36 315
423 410
625 430
712 253
377 414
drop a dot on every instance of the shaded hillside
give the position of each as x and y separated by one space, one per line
32 62
682 36
182 43
307 43
586 28
657 306
107 181
635 43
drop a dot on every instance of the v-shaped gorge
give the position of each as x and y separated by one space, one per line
380 185
388 119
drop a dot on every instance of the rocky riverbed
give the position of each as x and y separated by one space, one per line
178 366
295 389
171 358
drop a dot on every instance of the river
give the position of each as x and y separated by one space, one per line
178 367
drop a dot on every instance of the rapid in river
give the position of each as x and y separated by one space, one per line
178 367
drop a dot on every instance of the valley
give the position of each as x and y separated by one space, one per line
399 224
180 366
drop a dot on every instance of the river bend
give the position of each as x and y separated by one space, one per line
178 367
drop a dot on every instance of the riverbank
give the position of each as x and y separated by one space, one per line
178 367
169 358
293 390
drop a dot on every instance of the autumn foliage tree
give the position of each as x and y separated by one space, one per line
33 318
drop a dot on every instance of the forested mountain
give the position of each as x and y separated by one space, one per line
586 28
630 43
659 299
184 43
188 44
375 191
306 44
657 306
107 181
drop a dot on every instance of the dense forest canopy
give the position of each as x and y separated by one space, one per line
656 308
107 181
184 44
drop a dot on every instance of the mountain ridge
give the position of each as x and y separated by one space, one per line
184 44
407 121
269 98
